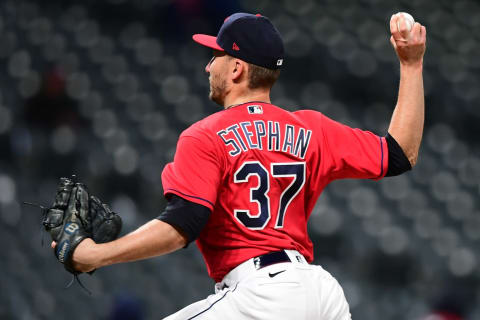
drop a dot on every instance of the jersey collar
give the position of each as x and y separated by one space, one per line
241 104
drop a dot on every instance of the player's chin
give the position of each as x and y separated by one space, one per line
215 98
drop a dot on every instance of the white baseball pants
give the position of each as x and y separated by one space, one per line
288 290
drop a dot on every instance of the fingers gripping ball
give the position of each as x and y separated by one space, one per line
409 21
409 45
68 220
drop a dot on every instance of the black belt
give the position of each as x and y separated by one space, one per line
270 258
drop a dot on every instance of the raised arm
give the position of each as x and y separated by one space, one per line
406 125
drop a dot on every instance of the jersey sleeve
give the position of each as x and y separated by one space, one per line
195 172
352 153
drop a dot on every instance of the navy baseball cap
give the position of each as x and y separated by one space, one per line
249 37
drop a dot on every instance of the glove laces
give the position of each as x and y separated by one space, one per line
76 278
44 214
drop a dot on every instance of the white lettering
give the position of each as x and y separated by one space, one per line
71 228
292 139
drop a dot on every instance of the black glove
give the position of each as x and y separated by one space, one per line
68 220
106 224
75 216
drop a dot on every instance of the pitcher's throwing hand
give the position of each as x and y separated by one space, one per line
408 44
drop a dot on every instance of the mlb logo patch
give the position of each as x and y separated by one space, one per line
255 109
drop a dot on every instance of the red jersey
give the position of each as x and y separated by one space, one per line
260 169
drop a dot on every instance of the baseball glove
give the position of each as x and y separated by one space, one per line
75 216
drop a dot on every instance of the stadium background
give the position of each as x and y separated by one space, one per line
102 89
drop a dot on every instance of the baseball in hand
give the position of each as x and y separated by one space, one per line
408 20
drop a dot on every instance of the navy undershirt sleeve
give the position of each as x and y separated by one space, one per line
397 161
187 217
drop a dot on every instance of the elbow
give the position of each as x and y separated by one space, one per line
413 160
401 158
411 152
412 157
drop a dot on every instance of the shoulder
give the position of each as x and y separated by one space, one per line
308 113
204 127
312 118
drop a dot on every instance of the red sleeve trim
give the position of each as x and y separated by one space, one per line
195 199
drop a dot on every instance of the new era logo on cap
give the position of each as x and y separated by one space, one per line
235 47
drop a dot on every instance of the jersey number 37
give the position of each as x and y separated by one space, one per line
259 194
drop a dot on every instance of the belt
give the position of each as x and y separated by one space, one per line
254 264
270 258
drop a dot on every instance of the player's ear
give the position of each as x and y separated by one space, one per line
239 70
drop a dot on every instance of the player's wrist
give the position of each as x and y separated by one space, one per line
86 256
411 65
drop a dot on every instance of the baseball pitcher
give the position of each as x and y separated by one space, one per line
244 180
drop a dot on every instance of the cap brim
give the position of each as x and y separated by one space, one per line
207 41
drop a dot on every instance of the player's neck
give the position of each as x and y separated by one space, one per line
236 99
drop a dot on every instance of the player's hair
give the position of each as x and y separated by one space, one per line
260 77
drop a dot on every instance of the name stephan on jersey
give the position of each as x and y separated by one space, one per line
250 135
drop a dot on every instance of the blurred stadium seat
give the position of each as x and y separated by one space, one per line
102 89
